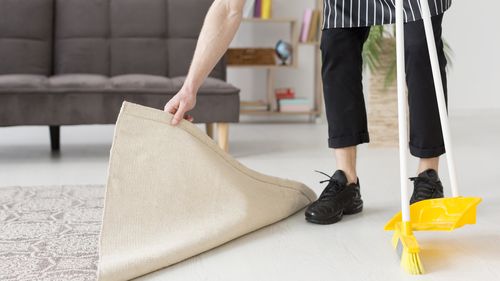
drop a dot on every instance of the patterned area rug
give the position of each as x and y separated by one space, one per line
50 233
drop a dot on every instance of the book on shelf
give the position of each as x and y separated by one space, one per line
310 26
260 9
249 9
294 105
254 105
313 27
257 9
266 9
306 21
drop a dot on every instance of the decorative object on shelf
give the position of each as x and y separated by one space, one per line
283 51
251 56
310 26
284 93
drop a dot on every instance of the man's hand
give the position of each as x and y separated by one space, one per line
181 103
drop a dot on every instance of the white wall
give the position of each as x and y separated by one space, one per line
472 28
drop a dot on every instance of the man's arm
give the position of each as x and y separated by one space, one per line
221 23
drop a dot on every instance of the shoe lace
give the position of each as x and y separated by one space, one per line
424 187
331 189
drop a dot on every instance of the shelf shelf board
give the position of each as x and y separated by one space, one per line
260 66
271 20
276 113
316 43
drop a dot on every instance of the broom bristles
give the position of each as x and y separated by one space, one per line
411 263
409 255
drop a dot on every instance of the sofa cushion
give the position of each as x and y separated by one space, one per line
138 55
141 81
209 86
79 81
26 36
138 34
23 81
82 37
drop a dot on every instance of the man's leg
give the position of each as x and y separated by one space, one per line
428 163
346 161
347 125
343 91
426 139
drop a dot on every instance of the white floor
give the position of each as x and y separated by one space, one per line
357 248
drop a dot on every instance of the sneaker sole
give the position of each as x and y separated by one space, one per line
336 218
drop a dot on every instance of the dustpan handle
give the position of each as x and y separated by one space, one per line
438 84
402 111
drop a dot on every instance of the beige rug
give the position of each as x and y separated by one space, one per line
172 193
50 233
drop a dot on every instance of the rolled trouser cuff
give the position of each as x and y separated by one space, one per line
427 152
348 140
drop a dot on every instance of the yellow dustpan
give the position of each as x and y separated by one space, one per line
443 214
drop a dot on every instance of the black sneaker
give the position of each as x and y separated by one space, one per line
426 186
336 200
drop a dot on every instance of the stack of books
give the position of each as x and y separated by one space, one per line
310 26
295 105
287 102
260 9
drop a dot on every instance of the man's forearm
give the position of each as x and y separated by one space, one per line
221 23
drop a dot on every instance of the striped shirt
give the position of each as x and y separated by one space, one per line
357 13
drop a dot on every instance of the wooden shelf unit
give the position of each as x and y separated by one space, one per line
316 111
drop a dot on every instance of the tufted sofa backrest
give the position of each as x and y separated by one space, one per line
26 36
108 37
113 37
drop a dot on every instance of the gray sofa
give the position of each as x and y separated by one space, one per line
72 62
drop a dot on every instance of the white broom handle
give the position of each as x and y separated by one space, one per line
402 119
438 84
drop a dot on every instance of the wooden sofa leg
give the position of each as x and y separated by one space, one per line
55 138
223 136
209 127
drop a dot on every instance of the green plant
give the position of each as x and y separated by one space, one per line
373 47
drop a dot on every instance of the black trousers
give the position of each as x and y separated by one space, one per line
343 90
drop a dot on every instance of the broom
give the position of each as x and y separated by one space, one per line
403 239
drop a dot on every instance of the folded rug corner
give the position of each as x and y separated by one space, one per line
172 193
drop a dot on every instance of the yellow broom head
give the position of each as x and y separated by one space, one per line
407 248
